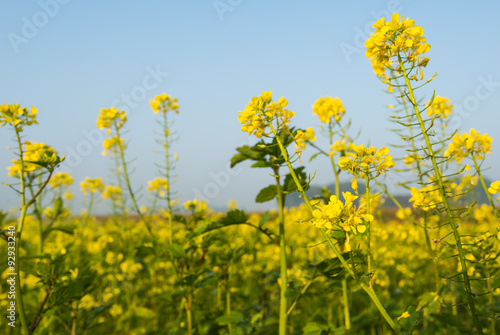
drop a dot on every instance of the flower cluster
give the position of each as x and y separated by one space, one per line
397 38
473 143
363 160
109 117
92 185
426 198
163 103
327 108
494 187
301 137
17 117
440 107
338 147
112 144
33 154
60 179
198 207
411 159
345 216
159 185
261 111
113 192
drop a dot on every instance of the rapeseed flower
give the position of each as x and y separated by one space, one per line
32 152
473 143
92 185
336 214
261 111
109 117
17 117
163 103
397 38
441 107
328 108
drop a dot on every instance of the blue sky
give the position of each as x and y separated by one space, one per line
72 58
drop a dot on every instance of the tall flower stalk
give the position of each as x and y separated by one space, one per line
399 46
165 105
113 121
28 161
263 117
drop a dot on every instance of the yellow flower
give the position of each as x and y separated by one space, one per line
92 185
262 111
338 147
473 143
159 185
32 152
113 144
199 207
403 213
394 38
17 117
302 137
109 117
328 107
60 179
163 103
345 216
116 310
363 160
404 315
494 187
113 192
427 198
440 106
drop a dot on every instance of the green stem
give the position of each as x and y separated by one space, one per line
283 266
129 187
490 299
370 275
19 230
228 298
428 243
167 175
302 292
337 186
332 245
188 313
345 296
444 197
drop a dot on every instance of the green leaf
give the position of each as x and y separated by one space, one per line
313 328
249 152
289 184
267 193
314 156
176 250
265 217
410 319
3 215
67 230
233 317
58 207
238 158
235 216
291 293
261 164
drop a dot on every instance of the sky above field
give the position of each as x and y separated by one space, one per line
72 58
